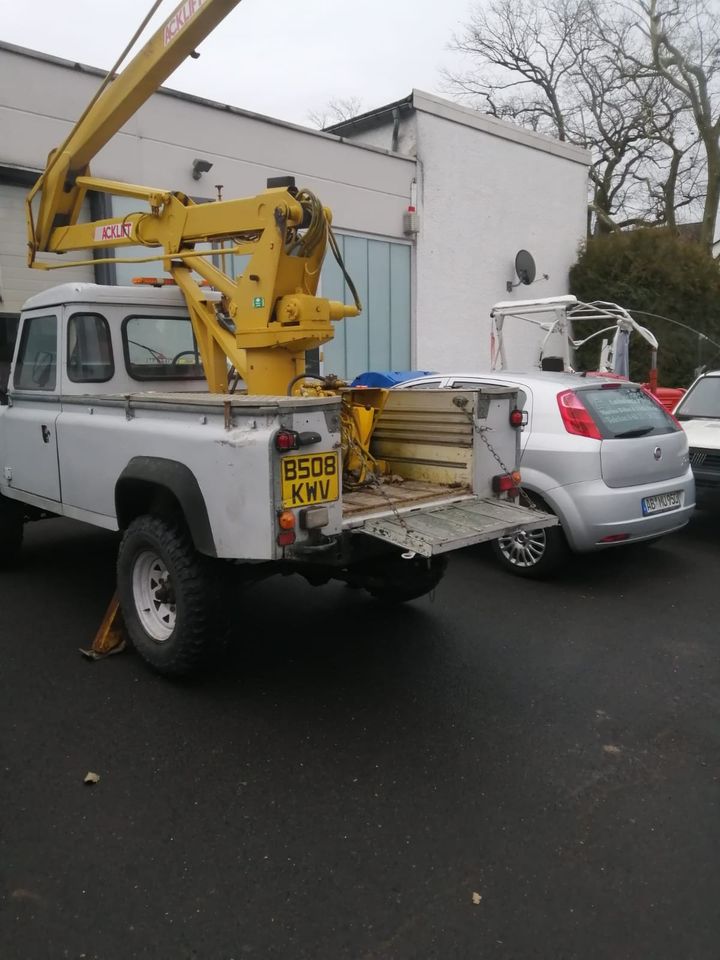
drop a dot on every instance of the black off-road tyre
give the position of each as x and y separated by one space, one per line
12 526
170 596
394 580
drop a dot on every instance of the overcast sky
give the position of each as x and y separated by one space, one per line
278 57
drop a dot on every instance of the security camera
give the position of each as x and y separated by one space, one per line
200 167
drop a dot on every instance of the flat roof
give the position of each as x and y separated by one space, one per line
201 101
457 113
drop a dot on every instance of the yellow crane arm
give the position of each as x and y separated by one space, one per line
266 318
119 100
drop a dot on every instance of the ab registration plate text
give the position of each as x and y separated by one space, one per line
308 479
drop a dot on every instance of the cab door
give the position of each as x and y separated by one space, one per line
30 451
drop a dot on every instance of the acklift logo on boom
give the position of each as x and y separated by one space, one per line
178 20
114 231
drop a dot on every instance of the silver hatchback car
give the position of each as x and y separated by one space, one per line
603 455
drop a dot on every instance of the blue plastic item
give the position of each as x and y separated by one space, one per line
387 378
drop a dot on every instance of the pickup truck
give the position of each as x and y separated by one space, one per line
107 420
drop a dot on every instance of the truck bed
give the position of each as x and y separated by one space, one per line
378 499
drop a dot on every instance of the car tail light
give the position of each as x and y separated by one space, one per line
517 418
286 440
285 538
615 538
576 417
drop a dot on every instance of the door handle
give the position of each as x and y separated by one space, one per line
45 433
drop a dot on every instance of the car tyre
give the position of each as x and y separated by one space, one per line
170 600
534 554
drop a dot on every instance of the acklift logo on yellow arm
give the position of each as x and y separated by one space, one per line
186 11
308 479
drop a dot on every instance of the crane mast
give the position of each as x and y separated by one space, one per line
263 320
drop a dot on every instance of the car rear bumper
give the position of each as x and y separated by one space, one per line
592 511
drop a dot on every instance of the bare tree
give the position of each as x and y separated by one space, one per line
335 111
685 45
577 70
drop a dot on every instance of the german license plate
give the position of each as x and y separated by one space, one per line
661 502
310 478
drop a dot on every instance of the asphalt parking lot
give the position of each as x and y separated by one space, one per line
512 770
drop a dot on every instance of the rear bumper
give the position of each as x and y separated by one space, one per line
591 511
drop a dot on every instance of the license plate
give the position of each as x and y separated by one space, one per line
311 478
661 502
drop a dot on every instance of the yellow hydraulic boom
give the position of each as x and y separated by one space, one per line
265 319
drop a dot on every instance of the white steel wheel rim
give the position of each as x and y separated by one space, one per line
525 548
153 596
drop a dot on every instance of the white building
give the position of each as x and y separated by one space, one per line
482 188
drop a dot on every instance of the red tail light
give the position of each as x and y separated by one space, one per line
517 418
286 440
506 483
576 417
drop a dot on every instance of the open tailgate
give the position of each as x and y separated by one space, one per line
440 528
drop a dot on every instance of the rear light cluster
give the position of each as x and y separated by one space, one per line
517 418
286 440
576 417
286 522
508 483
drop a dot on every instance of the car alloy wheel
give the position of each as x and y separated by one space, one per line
524 548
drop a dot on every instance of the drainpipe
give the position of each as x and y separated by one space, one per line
396 129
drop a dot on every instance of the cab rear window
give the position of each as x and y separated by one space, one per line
161 348
626 411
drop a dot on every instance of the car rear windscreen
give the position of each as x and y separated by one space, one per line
626 411
703 400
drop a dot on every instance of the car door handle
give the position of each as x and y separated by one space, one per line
45 433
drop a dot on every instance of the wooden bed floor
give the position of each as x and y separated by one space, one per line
399 495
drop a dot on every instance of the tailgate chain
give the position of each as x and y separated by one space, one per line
461 403
375 482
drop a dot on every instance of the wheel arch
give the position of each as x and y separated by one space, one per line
159 485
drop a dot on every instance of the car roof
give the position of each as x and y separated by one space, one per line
528 377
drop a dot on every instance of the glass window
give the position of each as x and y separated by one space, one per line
36 368
89 353
476 384
425 385
161 348
8 333
626 412
702 401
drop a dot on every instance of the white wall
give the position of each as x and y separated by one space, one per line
486 189
483 197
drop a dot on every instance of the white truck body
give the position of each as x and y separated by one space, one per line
106 420
64 450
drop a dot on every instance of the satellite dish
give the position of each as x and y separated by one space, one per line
525 267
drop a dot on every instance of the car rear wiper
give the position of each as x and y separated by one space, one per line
637 432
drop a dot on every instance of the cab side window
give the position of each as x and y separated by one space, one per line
36 367
89 349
